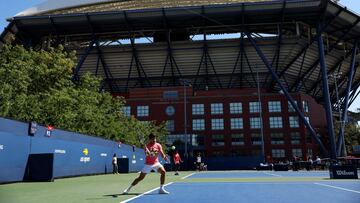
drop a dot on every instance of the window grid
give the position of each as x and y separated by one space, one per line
237 139
310 153
290 107
217 124
306 106
126 111
278 153
295 138
274 106
277 138
218 140
142 111
198 124
216 108
256 139
294 121
255 123
275 122
198 109
236 123
297 152
236 108
170 125
254 107
308 137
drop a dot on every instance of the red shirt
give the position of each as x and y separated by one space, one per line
155 149
177 158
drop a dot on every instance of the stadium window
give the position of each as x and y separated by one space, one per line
256 152
198 109
278 153
308 119
126 111
256 139
305 106
175 138
308 137
217 108
198 140
170 125
198 124
254 107
218 140
217 124
294 121
218 153
275 122
236 108
297 152
290 107
236 123
237 139
310 153
295 137
170 95
277 138
274 106
238 152
142 111
255 123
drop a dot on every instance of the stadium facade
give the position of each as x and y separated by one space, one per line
297 59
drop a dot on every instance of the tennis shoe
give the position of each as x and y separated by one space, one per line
163 191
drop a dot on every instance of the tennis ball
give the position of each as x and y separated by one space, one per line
173 147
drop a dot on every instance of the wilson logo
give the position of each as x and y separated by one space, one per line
345 173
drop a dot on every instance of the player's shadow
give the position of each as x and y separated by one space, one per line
117 195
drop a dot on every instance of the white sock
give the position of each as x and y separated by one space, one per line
161 187
127 189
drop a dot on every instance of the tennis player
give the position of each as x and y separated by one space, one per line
152 149
177 161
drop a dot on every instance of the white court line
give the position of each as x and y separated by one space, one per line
128 200
187 176
340 188
272 174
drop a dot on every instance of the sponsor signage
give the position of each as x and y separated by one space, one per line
343 172
1 147
103 154
60 151
85 158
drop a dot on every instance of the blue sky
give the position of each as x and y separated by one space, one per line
9 8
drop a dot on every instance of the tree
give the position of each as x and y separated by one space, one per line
37 86
351 132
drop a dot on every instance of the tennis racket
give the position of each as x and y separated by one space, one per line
142 141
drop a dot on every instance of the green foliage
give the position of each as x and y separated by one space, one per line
37 86
351 134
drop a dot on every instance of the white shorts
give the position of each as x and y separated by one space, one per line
148 168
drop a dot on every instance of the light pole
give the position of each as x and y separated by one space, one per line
342 122
261 116
185 84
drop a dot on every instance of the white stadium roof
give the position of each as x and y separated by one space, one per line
51 5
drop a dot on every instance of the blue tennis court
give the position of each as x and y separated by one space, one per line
260 174
257 187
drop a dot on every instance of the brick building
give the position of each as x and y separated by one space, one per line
227 122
